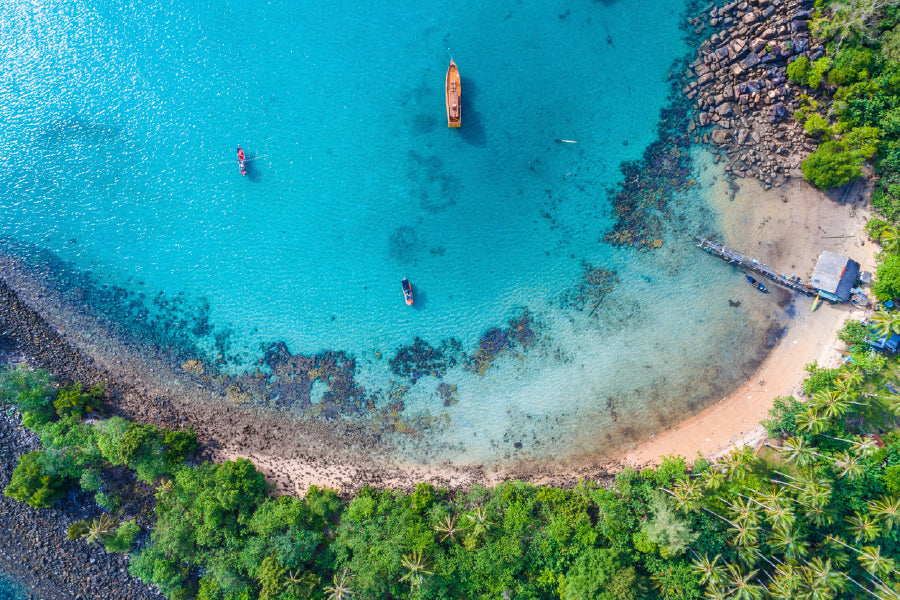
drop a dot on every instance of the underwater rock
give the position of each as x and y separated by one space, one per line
421 358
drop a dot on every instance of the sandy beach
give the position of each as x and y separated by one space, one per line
786 228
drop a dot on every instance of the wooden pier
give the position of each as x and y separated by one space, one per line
754 266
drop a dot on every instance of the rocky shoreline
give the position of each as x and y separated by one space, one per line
743 100
34 548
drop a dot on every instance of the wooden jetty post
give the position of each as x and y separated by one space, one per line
754 266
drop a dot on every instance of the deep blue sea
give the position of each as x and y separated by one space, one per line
120 125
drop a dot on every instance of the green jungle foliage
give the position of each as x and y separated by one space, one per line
816 515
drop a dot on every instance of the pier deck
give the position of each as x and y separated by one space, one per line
754 266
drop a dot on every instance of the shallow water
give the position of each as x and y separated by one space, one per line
122 124
9 590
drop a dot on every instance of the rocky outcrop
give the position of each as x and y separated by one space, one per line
743 100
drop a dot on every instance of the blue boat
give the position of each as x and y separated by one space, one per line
757 285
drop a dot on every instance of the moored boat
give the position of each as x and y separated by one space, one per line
242 161
407 291
757 285
452 92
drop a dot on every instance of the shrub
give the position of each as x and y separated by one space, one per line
819 378
853 333
90 480
38 479
107 502
891 479
887 278
73 400
798 70
782 417
816 126
123 539
830 166
31 391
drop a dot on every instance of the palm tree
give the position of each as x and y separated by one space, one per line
709 571
745 534
712 479
100 529
740 584
848 465
448 528
743 511
416 568
797 451
811 420
339 588
885 323
738 462
889 238
822 579
887 510
479 521
851 375
297 581
872 561
686 495
785 581
833 403
788 542
863 527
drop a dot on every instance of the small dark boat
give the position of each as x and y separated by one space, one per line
757 285
407 291
242 161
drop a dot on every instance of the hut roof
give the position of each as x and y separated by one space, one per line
835 274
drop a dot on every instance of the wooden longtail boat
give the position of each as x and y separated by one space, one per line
454 113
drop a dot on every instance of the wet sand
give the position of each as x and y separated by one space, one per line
786 228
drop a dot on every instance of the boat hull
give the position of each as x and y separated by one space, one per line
242 161
453 94
407 292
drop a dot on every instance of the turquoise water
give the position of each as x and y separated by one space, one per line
121 123
9 590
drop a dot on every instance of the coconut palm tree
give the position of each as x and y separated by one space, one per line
885 323
744 534
889 238
448 528
887 510
709 571
340 587
848 465
863 526
797 450
788 542
712 479
811 420
744 511
738 462
831 403
479 521
851 376
416 568
741 585
100 529
786 580
822 579
686 495
872 561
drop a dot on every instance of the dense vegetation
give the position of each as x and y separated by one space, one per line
816 515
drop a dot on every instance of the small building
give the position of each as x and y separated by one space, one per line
834 276
885 343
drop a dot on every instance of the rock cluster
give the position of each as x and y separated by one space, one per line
744 102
